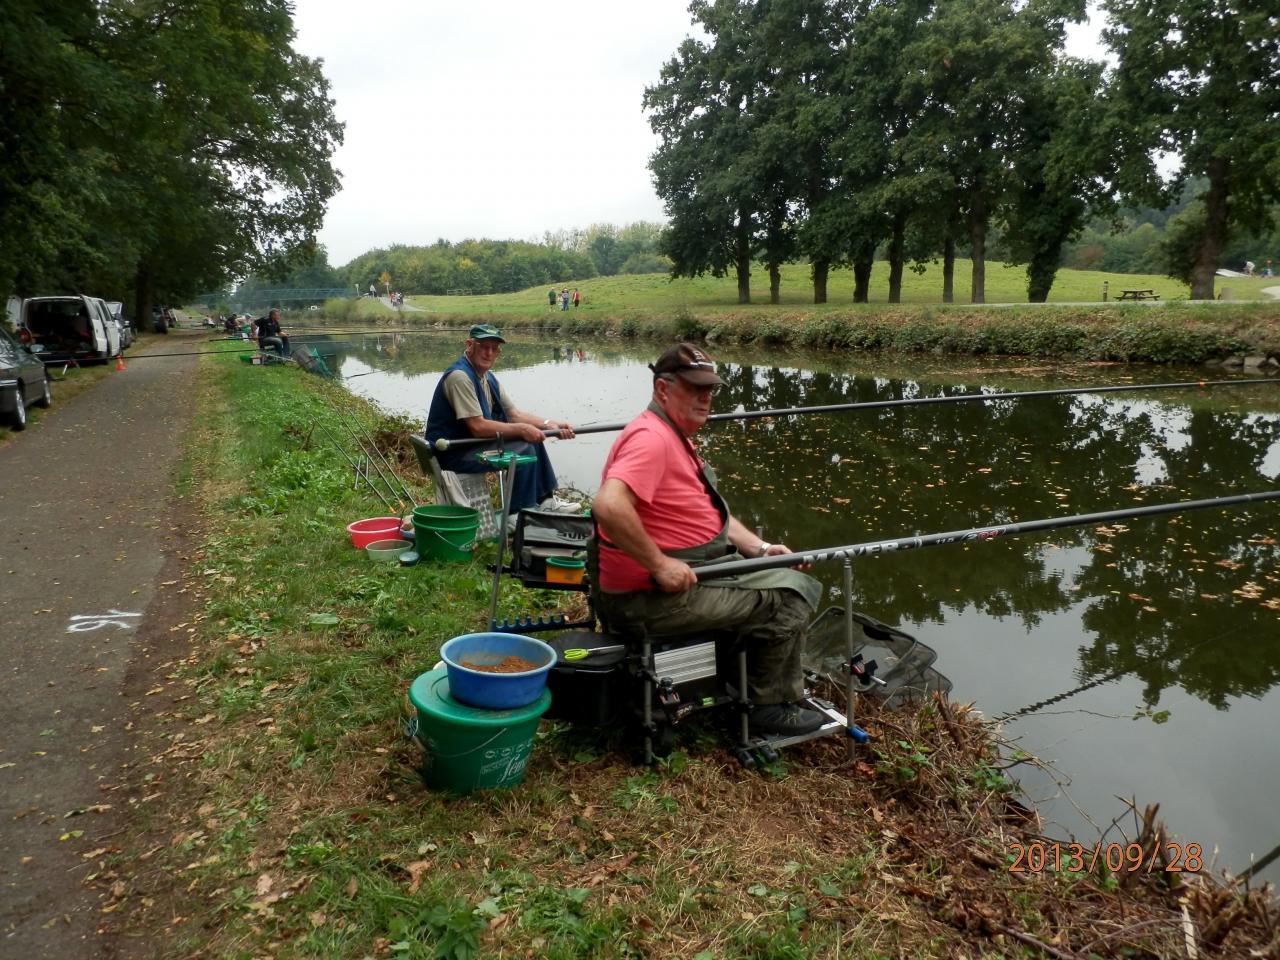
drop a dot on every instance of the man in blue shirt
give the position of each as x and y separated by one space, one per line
469 402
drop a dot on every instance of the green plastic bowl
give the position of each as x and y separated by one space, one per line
387 551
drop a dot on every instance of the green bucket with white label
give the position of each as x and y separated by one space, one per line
468 748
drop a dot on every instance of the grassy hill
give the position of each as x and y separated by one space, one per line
656 293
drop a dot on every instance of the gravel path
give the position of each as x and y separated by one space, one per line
91 532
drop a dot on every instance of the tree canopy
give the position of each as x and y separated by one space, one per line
157 149
836 130
1200 79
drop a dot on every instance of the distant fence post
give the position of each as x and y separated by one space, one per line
1105 285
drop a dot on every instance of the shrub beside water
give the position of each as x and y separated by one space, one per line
1182 333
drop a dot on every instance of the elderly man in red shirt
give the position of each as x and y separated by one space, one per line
659 514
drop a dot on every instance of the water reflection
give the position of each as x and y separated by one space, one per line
1121 652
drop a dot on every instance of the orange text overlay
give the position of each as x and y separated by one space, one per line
1036 857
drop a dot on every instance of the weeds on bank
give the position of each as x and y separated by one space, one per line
298 825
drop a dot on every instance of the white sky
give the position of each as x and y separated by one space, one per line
502 119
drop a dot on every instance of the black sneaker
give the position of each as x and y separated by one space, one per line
784 719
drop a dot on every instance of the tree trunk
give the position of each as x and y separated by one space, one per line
896 243
820 270
742 256
775 284
142 297
1041 272
978 245
949 270
862 279
1215 231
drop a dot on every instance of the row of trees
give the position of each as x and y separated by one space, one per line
154 150
824 130
489 266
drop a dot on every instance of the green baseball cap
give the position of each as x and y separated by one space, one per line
486 331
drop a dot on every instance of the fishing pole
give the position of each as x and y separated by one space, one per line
401 494
729 568
343 417
443 444
356 468
147 356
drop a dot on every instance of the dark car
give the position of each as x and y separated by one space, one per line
22 380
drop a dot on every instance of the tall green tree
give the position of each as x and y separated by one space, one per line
976 67
232 133
1063 169
1200 79
50 161
702 110
160 146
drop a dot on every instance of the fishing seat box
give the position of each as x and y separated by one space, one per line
540 535
601 689
591 691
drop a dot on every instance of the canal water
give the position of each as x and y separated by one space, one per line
1134 661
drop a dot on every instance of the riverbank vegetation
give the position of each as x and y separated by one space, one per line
703 308
282 813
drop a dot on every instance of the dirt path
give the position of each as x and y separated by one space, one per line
91 532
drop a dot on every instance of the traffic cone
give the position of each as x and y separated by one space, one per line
120 361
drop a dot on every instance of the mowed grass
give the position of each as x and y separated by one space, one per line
653 293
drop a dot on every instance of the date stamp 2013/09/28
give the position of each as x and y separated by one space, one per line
1036 857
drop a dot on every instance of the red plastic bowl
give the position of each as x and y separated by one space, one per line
365 532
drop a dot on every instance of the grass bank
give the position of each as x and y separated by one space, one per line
281 813
1174 330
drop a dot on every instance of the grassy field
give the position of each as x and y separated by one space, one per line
282 814
703 295
1075 325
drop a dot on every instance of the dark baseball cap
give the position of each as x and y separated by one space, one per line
486 331
689 362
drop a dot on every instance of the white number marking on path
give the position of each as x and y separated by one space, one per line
84 622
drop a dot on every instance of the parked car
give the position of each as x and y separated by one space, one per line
67 327
22 380
127 333
115 340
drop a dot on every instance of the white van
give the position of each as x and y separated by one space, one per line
115 339
68 327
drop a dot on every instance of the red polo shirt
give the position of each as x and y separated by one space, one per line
671 500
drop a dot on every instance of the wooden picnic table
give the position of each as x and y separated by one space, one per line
1138 295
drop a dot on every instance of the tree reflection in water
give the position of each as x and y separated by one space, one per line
1156 587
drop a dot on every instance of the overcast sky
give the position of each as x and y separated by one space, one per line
503 119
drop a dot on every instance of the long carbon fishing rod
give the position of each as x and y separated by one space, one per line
443 444
362 437
147 356
728 568
354 466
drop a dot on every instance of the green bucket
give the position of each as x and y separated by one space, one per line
444 532
468 748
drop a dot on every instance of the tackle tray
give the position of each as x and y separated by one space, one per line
541 535
902 662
